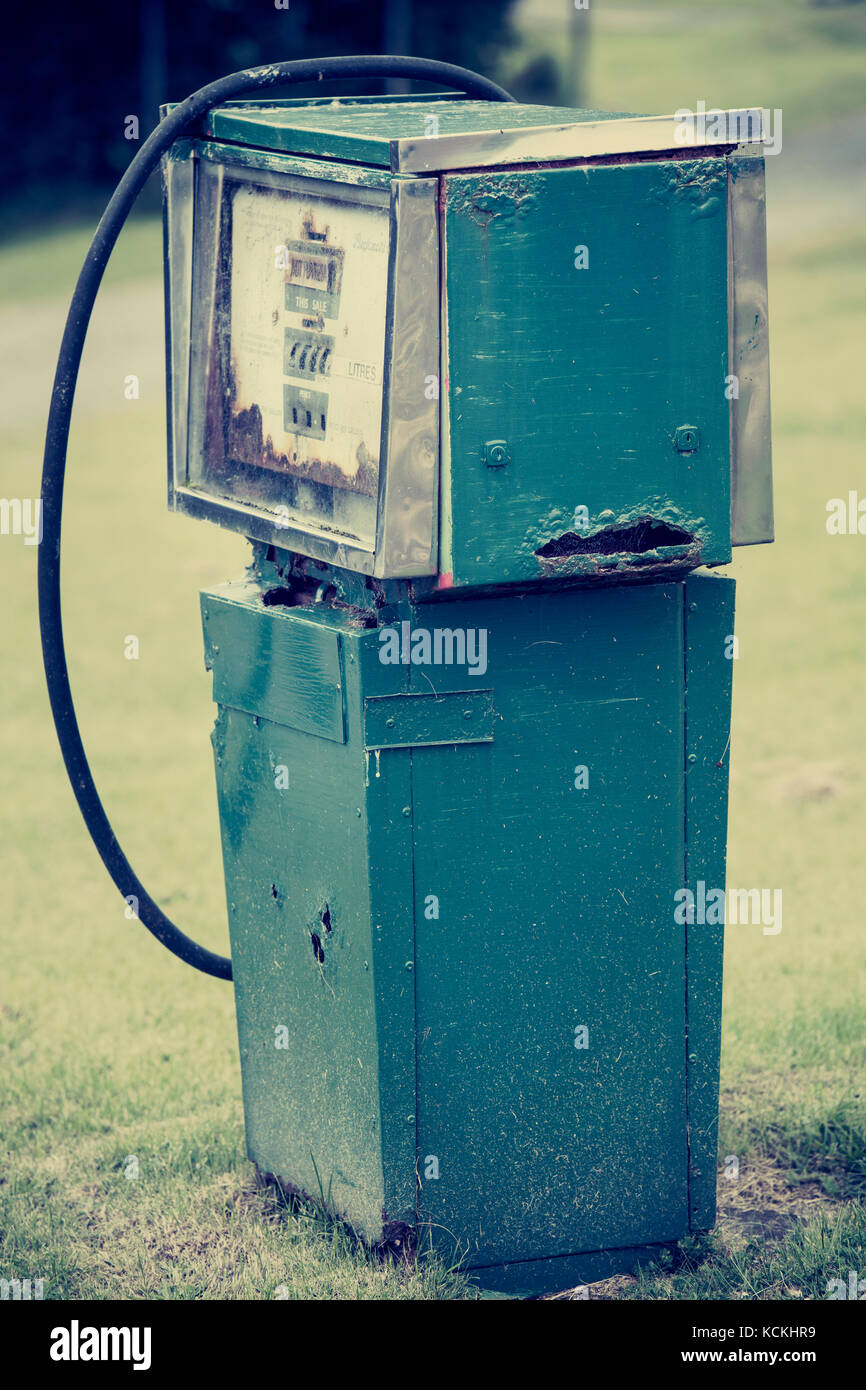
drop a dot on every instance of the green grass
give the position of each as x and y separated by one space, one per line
794 1012
46 263
800 1266
654 58
113 1051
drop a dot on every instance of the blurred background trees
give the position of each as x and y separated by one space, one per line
74 73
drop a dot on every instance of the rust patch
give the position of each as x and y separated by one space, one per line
615 551
247 445
398 1238
644 535
497 195
309 593
279 598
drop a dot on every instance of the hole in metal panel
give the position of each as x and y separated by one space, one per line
644 535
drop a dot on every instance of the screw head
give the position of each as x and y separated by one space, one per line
496 453
687 439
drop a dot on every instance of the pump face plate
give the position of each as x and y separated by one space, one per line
308 295
298 352
304 328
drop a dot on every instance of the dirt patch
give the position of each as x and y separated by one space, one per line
793 781
761 1201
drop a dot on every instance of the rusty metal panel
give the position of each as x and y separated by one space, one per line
289 319
586 334
304 338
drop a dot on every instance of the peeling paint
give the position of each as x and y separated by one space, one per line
645 542
701 183
642 536
505 197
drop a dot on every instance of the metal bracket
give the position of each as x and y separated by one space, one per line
420 721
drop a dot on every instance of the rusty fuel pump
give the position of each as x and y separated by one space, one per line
486 387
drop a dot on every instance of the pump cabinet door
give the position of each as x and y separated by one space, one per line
586 328
550 973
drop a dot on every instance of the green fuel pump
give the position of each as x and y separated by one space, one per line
486 386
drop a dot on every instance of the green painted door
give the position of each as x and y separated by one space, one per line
586 323
542 909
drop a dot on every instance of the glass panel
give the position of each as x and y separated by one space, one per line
287 373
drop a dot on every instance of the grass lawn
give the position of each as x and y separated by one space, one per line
653 56
125 1174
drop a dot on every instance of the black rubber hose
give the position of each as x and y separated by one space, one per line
187 114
